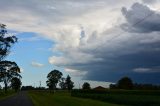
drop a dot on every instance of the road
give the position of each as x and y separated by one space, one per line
21 99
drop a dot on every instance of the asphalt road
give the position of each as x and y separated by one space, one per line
21 99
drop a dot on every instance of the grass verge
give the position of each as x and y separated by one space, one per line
4 95
63 99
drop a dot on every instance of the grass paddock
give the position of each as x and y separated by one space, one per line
43 98
125 97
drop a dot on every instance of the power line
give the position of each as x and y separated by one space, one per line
133 25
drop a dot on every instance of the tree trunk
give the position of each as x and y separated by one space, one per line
54 89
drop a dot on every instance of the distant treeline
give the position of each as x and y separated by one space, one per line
32 88
139 86
127 83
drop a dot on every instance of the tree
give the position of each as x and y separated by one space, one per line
5 41
69 83
62 83
125 83
16 83
8 70
113 86
86 85
53 78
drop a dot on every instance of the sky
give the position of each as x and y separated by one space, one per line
91 40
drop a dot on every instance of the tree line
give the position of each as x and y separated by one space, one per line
127 83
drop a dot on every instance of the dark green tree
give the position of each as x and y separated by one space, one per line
53 78
62 83
86 86
16 83
113 86
69 83
8 70
6 41
125 83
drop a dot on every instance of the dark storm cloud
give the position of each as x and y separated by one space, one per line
125 65
120 65
138 58
141 18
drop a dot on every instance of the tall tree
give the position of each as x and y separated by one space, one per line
6 41
53 78
125 83
8 70
86 86
69 83
16 83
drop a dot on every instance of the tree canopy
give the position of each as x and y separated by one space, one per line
16 83
86 85
6 41
62 83
125 83
53 78
69 83
8 70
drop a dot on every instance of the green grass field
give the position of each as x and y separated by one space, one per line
4 95
63 99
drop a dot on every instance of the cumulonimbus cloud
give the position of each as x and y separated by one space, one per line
97 38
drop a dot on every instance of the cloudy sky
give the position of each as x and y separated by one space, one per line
97 40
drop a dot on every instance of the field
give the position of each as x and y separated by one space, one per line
4 95
92 98
43 98
125 97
